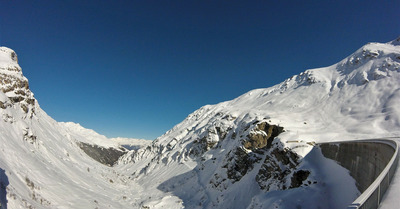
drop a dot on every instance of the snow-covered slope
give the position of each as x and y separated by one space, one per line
41 165
223 156
130 143
87 135
99 147
91 137
255 151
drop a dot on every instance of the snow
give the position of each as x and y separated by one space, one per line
87 135
9 60
348 100
55 166
356 98
336 189
391 198
6 57
131 143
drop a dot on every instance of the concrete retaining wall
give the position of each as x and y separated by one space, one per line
371 163
364 160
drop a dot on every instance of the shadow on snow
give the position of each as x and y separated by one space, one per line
3 185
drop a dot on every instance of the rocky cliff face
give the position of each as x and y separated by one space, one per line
226 152
14 85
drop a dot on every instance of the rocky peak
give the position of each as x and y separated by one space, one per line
13 83
395 42
8 56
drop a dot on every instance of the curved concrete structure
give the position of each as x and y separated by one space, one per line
371 163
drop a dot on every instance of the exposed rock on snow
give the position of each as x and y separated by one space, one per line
234 145
107 156
104 150
262 135
278 172
13 84
255 151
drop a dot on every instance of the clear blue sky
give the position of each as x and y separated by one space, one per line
137 68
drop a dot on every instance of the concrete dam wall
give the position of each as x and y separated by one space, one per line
371 163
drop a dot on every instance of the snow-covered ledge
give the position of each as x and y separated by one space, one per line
382 154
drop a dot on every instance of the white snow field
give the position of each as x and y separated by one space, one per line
255 151
91 137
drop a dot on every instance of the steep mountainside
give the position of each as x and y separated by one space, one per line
251 152
104 150
41 164
235 153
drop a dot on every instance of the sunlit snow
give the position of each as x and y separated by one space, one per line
41 166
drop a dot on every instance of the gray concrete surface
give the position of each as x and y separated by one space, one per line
365 160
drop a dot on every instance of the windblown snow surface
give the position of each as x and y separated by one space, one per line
255 151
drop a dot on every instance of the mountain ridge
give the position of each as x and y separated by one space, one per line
355 98
254 151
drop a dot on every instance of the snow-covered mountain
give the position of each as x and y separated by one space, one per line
41 162
99 147
251 152
226 156
91 137
131 144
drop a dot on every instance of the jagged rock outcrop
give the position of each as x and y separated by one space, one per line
262 136
280 170
256 145
239 163
14 84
